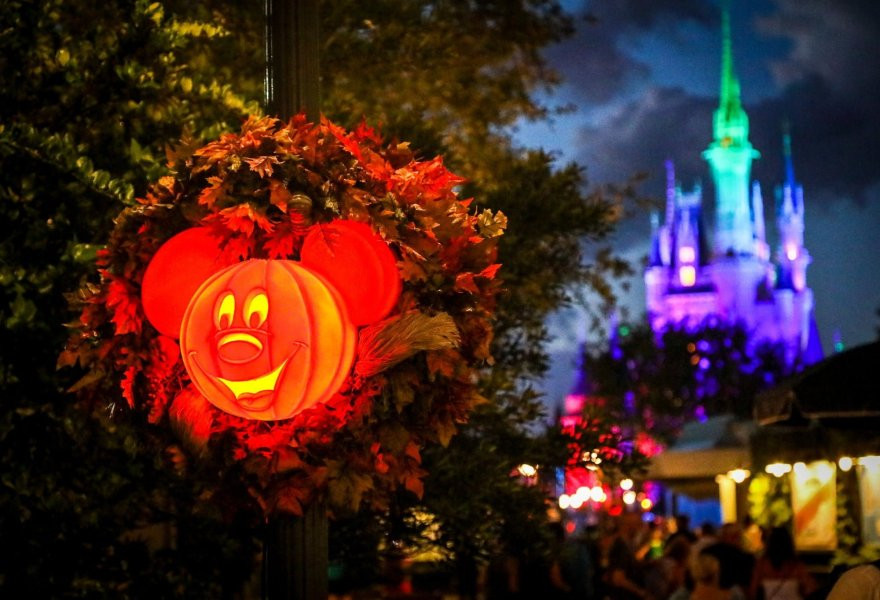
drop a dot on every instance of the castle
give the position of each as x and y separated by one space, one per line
735 278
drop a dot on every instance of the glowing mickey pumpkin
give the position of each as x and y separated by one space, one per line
266 339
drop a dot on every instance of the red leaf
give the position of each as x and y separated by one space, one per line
124 303
127 383
465 282
415 485
490 271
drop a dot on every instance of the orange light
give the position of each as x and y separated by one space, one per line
687 275
527 470
175 273
358 263
267 339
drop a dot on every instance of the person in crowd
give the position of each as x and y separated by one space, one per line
575 573
652 547
778 574
858 583
706 574
705 538
753 536
682 527
736 564
670 572
623 576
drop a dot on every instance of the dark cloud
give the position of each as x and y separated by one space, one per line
835 139
835 41
637 138
637 14
595 67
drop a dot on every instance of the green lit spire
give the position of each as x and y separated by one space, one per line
731 124
730 155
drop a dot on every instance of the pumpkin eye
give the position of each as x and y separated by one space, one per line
256 308
224 311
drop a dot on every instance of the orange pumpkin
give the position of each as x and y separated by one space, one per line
267 339
359 264
175 273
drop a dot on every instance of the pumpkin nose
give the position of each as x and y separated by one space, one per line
238 348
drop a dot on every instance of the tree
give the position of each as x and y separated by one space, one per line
662 381
91 97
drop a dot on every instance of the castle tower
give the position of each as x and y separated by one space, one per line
730 156
739 281
792 257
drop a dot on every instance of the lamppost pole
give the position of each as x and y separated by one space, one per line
292 82
295 550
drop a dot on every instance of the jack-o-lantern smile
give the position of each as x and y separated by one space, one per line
255 394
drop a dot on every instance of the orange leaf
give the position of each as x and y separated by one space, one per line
415 485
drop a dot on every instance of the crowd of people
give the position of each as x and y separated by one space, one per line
629 559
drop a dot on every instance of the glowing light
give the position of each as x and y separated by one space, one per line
267 339
255 361
527 470
577 502
870 462
686 254
687 275
570 527
824 470
778 469
791 251
646 504
564 501
800 469
626 484
358 263
597 494
738 475
629 497
845 463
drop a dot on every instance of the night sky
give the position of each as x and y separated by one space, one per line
644 78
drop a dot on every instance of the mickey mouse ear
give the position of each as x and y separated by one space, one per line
358 263
175 273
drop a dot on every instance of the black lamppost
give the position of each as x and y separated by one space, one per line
295 550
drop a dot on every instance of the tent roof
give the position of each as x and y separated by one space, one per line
843 386
702 451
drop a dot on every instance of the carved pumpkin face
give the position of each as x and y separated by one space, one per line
266 339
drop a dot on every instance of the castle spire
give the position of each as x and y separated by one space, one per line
786 153
730 154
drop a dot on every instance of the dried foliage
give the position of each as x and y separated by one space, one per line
414 381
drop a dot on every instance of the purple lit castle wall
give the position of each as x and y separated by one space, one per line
737 279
